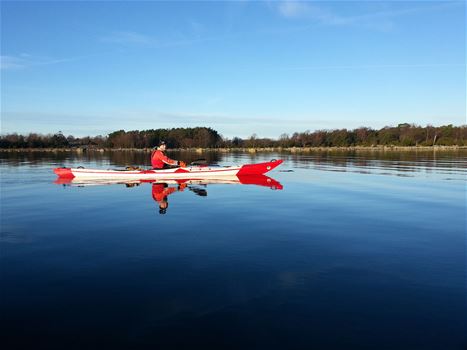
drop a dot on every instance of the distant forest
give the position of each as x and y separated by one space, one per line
202 137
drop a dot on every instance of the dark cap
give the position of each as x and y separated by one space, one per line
161 142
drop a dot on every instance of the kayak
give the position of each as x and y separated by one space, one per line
258 180
188 172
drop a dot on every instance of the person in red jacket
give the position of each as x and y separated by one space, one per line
160 161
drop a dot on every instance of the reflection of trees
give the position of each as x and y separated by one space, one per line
403 161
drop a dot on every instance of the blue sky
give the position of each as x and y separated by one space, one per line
240 67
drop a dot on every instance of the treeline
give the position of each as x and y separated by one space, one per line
174 138
401 135
202 137
57 140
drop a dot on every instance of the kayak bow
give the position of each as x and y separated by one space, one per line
191 172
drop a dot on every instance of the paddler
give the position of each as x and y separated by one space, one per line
160 161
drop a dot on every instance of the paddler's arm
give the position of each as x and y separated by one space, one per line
162 157
167 160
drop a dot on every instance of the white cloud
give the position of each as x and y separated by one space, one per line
129 37
293 9
26 60
374 66
197 29
136 39
11 62
306 10
379 19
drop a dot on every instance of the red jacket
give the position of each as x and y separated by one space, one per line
158 159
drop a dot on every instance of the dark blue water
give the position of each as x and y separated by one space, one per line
361 251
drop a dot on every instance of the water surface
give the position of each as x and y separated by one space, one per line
352 250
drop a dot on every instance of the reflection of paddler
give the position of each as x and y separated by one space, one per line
160 192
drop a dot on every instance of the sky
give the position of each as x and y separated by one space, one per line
239 67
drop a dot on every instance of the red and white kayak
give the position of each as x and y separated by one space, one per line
189 172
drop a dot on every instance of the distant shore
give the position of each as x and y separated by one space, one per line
247 150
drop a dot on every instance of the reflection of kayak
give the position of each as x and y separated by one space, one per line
259 180
189 172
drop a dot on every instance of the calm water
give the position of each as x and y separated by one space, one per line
363 251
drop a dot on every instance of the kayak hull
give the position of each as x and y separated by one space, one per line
191 172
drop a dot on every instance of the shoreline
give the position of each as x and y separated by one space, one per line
247 149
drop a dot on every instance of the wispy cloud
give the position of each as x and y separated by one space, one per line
292 9
374 66
8 62
195 34
129 38
196 28
322 14
300 9
12 62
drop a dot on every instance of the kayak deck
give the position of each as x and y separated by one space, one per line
192 172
